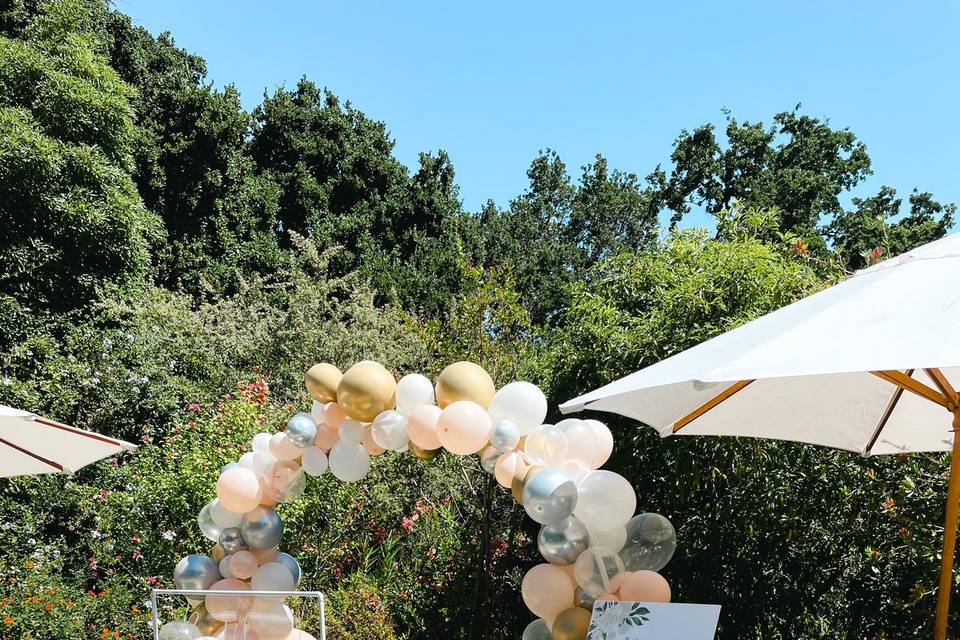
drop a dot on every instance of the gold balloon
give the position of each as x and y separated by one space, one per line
366 390
571 624
423 454
218 553
464 381
520 479
207 624
322 380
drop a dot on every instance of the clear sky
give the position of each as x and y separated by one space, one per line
492 82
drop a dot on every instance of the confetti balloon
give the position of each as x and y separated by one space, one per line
301 430
179 630
322 380
522 403
563 542
463 427
389 430
314 461
464 381
547 591
413 390
549 496
598 570
196 572
261 528
649 543
505 435
645 586
422 427
349 462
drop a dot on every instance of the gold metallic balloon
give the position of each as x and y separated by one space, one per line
218 553
464 381
207 624
519 480
423 454
571 624
366 390
322 380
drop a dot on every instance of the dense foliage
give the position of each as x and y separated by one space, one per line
171 264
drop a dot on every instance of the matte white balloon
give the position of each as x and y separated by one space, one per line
413 390
581 440
314 461
351 431
261 442
349 462
389 430
604 442
318 413
609 538
246 460
521 402
605 500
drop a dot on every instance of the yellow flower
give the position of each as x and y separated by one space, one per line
8 620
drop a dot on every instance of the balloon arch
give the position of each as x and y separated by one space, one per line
593 544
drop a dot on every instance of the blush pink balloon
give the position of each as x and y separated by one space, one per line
282 449
229 608
547 591
243 564
265 555
333 415
237 631
645 586
606 596
326 437
463 427
366 439
298 634
238 489
422 426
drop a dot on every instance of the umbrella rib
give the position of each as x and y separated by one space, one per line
710 404
915 386
56 466
945 387
894 399
85 434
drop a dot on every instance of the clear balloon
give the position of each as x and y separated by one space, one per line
563 542
604 443
389 430
546 445
645 586
231 540
209 528
606 500
196 572
239 490
292 566
547 590
301 430
179 630
549 496
505 435
463 427
521 402
581 441
287 481
488 458
261 528
273 576
349 462
650 542
223 516
598 570
537 630
351 431
422 427
413 390
314 461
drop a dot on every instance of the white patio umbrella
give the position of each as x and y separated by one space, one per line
31 445
831 369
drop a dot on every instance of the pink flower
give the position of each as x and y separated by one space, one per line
193 407
407 523
151 581
137 554
135 538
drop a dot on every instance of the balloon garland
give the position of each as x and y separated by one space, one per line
593 544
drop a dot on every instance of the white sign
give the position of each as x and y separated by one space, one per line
617 620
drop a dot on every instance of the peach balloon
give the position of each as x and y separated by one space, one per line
422 427
606 596
238 489
463 427
243 564
218 553
265 555
508 466
229 608
547 591
297 634
282 449
333 415
366 439
646 586
238 631
326 437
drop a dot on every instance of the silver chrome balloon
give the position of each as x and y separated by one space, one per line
583 599
550 496
563 542
651 541
505 435
301 430
261 528
231 539
196 571
291 564
211 530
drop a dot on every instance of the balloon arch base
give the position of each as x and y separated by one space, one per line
297 605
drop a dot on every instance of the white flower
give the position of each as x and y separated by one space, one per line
167 535
96 535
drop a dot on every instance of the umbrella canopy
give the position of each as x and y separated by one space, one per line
869 365
31 445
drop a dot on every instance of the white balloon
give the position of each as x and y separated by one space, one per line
604 442
246 460
261 442
349 462
318 413
270 619
606 500
581 440
413 390
273 576
262 462
521 402
351 431
576 468
389 430
223 516
314 461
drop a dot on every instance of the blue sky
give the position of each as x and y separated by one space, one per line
493 82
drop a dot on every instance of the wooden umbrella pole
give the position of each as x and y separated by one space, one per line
949 535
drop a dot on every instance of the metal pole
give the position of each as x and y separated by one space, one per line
949 535
153 609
